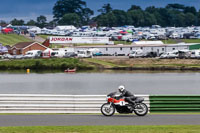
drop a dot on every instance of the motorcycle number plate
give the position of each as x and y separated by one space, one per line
122 103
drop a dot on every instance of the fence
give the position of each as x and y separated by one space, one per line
184 103
23 103
29 103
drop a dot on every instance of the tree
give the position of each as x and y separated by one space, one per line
151 9
17 22
52 24
136 17
149 19
190 9
86 13
121 17
3 23
70 19
111 20
198 18
190 19
108 20
106 8
176 18
63 7
176 6
41 21
134 7
31 23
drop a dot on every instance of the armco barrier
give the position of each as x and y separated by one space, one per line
183 103
28 103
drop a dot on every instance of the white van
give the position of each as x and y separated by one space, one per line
136 53
195 54
33 54
170 55
84 54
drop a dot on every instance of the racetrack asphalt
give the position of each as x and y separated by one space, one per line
70 120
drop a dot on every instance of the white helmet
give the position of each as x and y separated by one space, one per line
121 88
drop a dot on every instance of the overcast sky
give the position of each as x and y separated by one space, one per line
30 9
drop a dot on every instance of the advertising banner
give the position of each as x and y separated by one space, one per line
87 40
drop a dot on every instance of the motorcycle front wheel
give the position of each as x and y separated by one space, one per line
107 109
141 109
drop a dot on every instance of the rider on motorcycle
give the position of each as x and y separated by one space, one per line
129 97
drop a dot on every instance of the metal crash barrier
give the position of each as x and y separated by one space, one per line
34 103
175 103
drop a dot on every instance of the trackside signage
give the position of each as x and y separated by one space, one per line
90 40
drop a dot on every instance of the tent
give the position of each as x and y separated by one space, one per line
123 32
63 28
35 30
7 30
129 31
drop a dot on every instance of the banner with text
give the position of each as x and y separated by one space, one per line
88 40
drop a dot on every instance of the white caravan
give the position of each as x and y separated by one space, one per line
58 53
84 54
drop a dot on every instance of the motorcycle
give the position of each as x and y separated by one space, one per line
123 107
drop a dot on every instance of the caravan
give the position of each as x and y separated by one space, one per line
84 54
58 53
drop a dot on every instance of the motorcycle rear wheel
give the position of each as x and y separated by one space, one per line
141 109
107 109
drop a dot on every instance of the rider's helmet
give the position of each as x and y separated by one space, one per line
121 88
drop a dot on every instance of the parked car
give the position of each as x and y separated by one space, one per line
18 56
8 56
33 54
149 55
170 55
97 54
70 54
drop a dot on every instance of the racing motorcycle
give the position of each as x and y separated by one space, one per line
123 107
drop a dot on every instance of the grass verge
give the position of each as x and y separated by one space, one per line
45 64
11 39
103 129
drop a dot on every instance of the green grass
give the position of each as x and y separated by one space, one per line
103 63
191 40
122 42
44 36
103 129
11 39
169 41
44 64
172 41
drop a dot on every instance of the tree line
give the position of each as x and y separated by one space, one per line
76 12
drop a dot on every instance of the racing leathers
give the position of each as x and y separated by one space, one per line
129 97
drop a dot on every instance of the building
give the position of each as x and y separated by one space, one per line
126 49
23 47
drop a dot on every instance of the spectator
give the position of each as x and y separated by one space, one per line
32 35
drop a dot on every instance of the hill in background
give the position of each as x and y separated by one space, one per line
11 39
